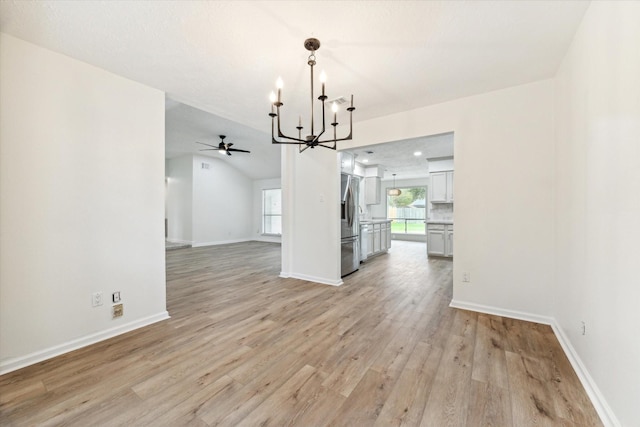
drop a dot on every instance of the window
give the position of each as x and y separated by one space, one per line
407 211
272 211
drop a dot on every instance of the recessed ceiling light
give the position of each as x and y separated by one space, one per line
365 160
417 153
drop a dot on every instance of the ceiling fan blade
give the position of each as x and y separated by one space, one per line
230 144
208 145
238 150
228 153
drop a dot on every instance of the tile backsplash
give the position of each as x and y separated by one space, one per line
442 211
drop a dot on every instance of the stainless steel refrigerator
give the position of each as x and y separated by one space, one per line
350 225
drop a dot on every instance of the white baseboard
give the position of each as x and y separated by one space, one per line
268 239
314 279
38 356
219 242
182 242
600 404
512 314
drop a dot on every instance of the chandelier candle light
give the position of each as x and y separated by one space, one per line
310 140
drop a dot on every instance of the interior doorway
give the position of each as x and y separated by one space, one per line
405 165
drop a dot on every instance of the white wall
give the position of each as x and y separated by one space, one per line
258 186
598 201
208 206
222 203
179 199
311 215
82 186
504 174
503 144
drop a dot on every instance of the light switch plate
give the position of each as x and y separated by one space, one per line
96 299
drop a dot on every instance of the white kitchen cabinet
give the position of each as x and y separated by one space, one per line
389 235
383 237
372 190
440 239
347 162
364 242
378 237
441 188
435 242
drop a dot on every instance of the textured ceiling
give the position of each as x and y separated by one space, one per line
398 156
224 57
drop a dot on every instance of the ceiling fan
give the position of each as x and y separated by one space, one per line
222 148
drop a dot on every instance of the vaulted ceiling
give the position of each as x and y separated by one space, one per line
223 57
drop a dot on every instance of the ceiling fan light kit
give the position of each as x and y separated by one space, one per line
311 140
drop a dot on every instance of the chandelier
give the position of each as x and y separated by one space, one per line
311 140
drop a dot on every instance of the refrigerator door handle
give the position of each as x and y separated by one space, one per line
349 205
346 188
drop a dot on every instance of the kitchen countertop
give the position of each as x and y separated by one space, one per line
374 221
440 221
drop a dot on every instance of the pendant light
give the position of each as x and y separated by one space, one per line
394 191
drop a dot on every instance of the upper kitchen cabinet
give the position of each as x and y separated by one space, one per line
373 175
347 162
441 187
372 190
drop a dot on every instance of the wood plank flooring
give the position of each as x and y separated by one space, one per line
245 347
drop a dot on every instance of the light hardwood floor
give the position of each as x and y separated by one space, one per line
245 347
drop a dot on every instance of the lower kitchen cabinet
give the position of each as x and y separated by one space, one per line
440 239
385 236
368 231
378 237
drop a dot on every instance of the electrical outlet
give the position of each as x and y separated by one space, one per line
118 310
115 297
466 277
96 299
